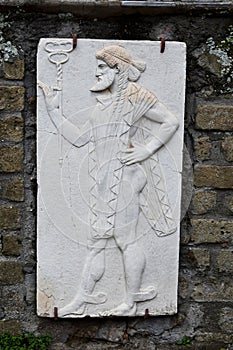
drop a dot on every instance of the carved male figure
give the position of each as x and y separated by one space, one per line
124 174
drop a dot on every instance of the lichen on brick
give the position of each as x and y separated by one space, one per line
8 51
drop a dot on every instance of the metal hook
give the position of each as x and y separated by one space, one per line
146 315
162 43
55 313
74 41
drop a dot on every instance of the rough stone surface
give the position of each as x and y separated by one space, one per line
11 159
225 261
226 320
214 338
229 202
213 290
211 231
14 70
227 146
11 245
203 201
214 176
211 63
11 272
14 190
200 257
12 326
12 98
11 129
215 117
13 300
202 147
10 218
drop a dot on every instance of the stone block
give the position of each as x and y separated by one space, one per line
229 202
13 299
214 117
225 261
11 245
213 176
14 190
11 129
12 98
211 231
199 257
11 159
14 70
12 326
226 320
209 337
227 148
213 291
11 272
202 147
203 201
9 218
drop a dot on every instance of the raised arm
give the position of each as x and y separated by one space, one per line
168 125
74 135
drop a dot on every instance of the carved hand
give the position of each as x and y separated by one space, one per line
135 154
51 96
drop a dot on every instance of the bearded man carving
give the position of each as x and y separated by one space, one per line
122 160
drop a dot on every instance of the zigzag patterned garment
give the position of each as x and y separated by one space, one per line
109 137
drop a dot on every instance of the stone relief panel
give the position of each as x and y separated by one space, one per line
110 138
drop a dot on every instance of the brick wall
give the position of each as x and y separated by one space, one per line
205 282
11 190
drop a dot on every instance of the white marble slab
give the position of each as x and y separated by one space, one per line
109 176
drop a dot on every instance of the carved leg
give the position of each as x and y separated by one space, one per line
126 239
93 271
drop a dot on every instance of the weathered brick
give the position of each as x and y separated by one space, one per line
211 231
14 70
229 202
225 261
13 299
214 337
12 326
11 245
14 190
213 176
210 291
9 218
215 117
227 147
226 320
11 158
200 257
12 98
203 201
11 129
11 272
202 147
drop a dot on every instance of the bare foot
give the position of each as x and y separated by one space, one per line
123 309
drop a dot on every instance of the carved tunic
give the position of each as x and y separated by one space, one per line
110 134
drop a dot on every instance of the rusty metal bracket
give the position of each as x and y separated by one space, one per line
74 41
162 44
146 315
55 313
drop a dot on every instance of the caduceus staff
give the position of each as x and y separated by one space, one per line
58 54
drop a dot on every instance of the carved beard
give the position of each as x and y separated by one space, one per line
105 81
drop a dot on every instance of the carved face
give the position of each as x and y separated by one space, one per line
105 76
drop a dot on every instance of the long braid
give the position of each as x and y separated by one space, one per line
120 94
